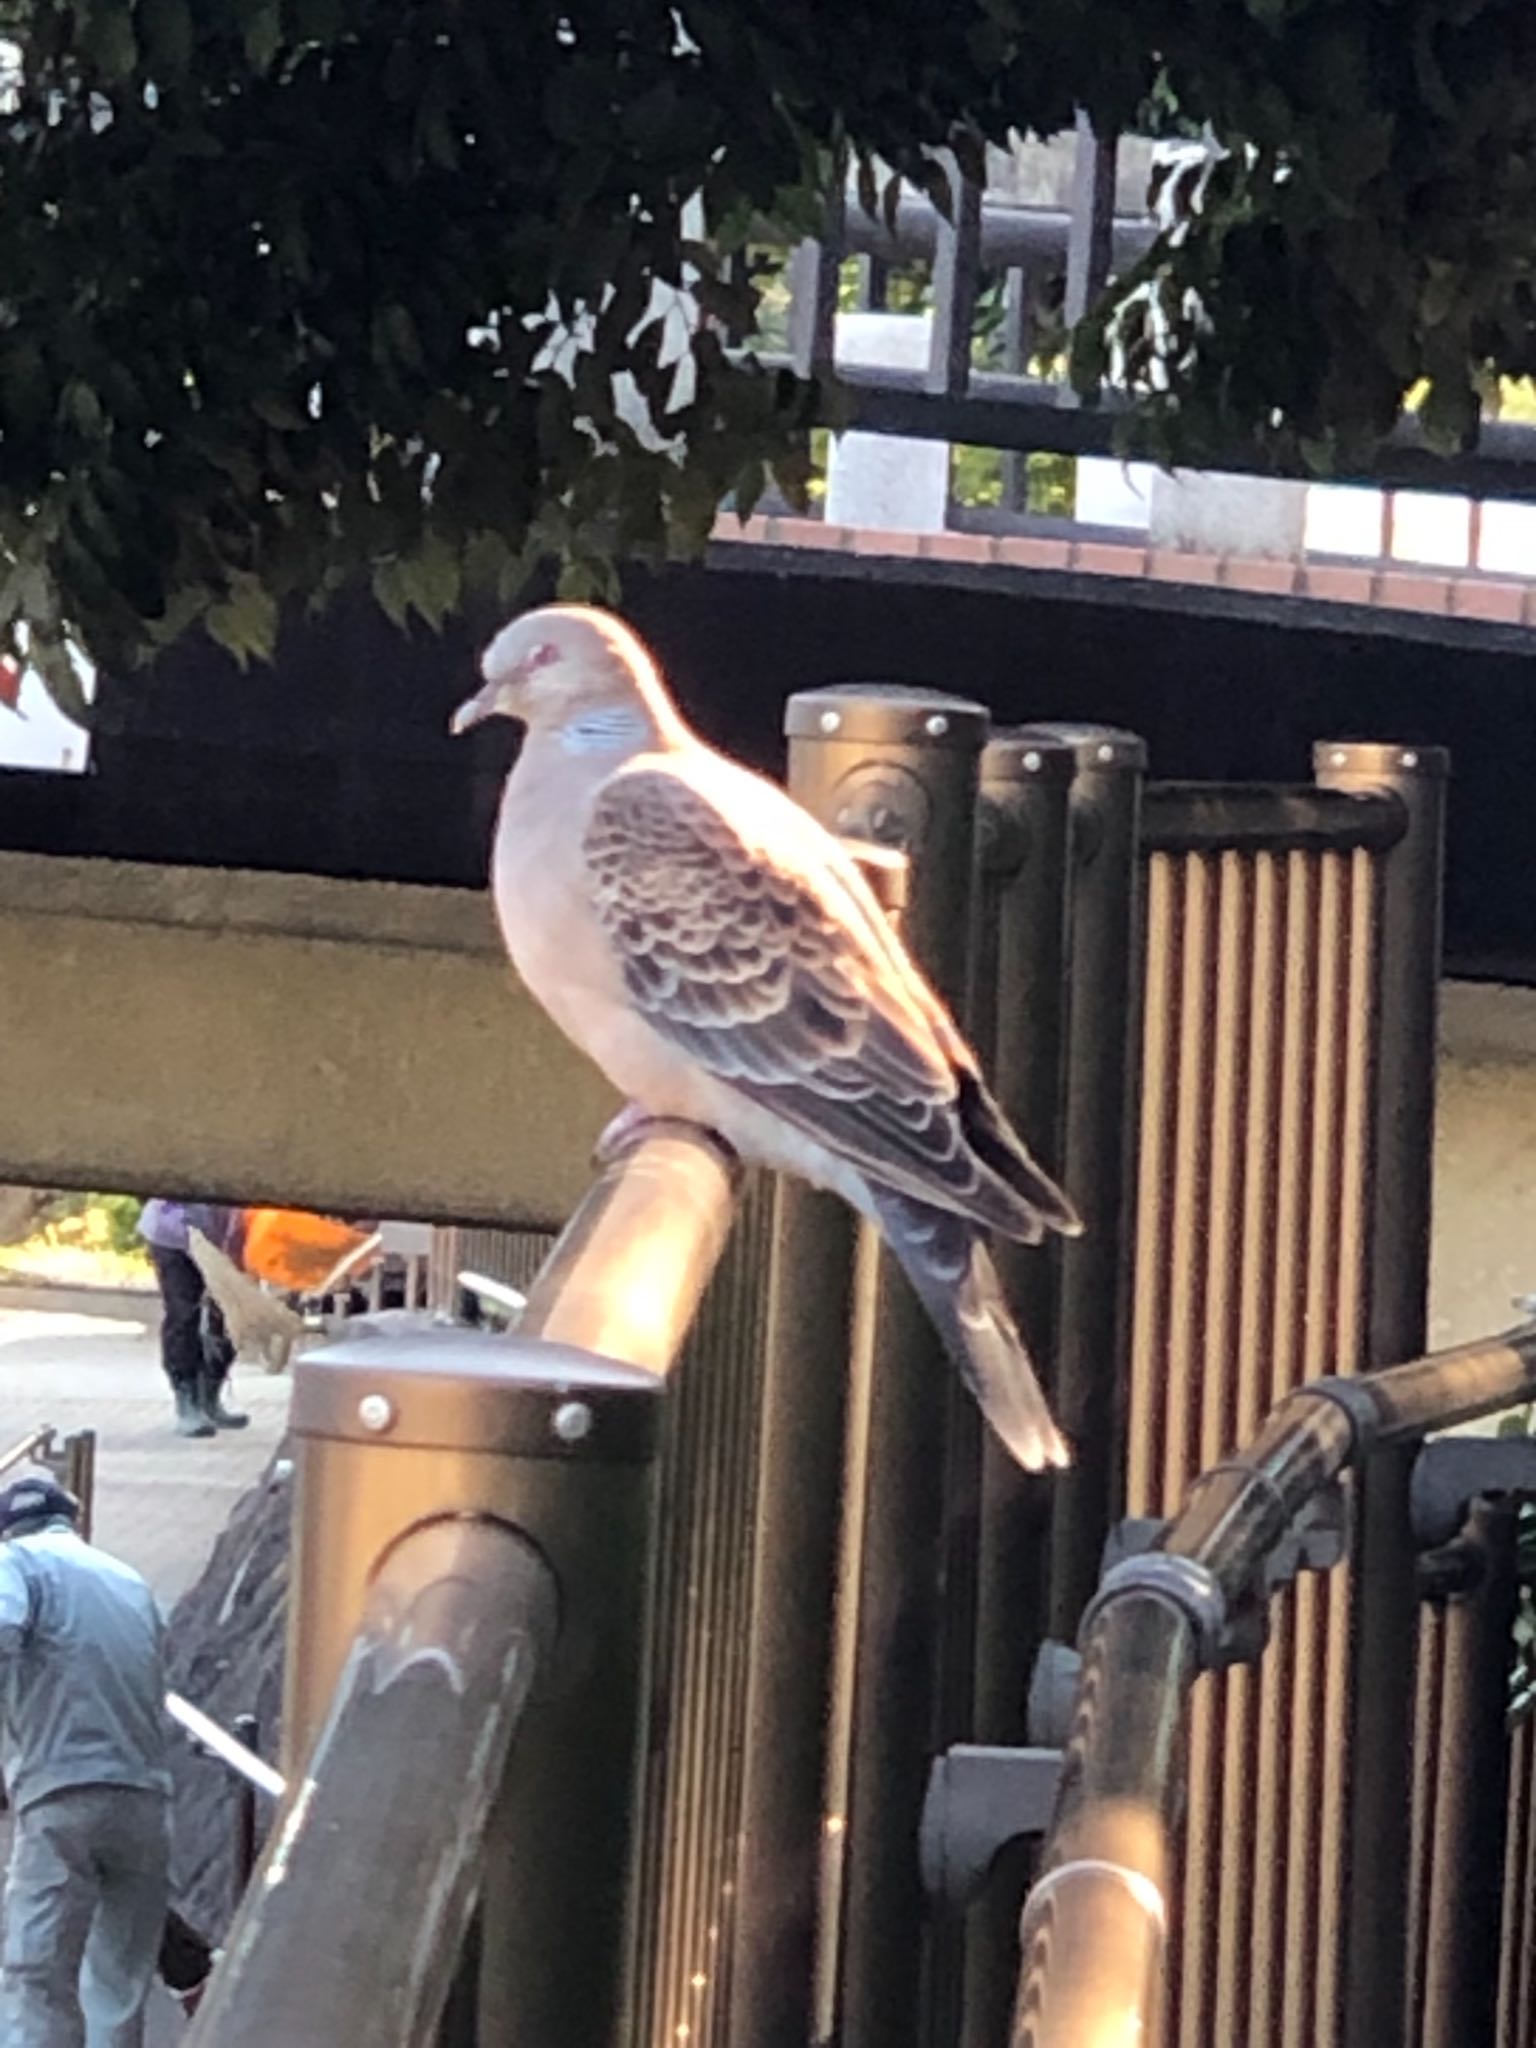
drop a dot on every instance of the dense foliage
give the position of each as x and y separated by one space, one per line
293 291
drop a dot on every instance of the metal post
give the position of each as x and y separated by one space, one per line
1097 1152
558 1442
794 1594
1471 1792
1018 1011
956 275
351 1929
1377 1852
1090 239
245 1728
899 767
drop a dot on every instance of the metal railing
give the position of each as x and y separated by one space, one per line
473 1526
1094 1922
71 1460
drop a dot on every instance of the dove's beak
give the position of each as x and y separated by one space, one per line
484 704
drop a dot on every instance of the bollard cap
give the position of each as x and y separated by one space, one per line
887 714
1380 760
472 1390
1104 748
1028 756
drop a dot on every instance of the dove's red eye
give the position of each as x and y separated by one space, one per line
541 656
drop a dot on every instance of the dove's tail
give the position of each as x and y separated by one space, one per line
946 1259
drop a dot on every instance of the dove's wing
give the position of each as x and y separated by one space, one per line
748 939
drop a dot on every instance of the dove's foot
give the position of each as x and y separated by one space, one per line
620 1131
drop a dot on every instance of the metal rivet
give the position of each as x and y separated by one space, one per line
829 721
1408 759
375 1411
1106 752
1032 762
1338 758
572 1421
937 726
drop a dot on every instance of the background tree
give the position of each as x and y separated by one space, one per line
294 292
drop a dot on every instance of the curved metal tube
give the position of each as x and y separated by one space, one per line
1091 1936
351 1927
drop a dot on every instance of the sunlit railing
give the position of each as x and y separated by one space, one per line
1095 1920
473 1519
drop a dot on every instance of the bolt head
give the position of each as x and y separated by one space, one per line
1338 758
1408 758
936 726
1032 762
572 1421
1106 751
829 721
376 1412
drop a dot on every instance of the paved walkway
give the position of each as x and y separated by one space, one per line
161 1500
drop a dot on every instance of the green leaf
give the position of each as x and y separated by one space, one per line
263 33
245 623
165 30
108 44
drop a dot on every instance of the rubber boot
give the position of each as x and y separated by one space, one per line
190 1419
213 1405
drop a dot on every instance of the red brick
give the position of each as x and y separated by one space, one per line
728 527
1184 565
1034 551
870 540
958 547
1266 574
1472 598
1104 558
1414 591
1345 583
803 533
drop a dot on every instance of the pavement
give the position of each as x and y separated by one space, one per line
161 1500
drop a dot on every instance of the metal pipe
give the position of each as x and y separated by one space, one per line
626 1274
897 767
1146 1639
19 1453
1397 1230
559 1443
351 1928
1102 1060
1017 1017
229 1748
1471 1792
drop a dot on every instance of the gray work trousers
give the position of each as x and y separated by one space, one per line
85 1904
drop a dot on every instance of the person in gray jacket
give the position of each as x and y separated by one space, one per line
83 1748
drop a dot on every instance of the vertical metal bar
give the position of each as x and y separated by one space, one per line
784 1738
900 767
245 1728
814 270
1090 235
1018 1015
1102 1102
1461 1958
1385 1618
1017 341
1515 1945
956 275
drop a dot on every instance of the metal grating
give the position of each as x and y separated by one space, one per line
1250 1278
701 1636
1517 1958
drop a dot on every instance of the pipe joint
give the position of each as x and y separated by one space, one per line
1180 1581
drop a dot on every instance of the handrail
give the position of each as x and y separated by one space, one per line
1092 1932
465 1491
29 1446
235 1755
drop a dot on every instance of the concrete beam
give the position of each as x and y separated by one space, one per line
354 1046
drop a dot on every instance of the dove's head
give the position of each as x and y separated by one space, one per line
564 664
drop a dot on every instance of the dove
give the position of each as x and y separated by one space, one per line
721 957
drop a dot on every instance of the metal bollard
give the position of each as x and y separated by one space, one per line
1018 1015
1096 1154
900 768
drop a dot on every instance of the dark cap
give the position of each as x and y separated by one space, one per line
27 1503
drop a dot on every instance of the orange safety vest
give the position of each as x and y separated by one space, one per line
295 1250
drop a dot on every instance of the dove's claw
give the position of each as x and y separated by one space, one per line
619 1131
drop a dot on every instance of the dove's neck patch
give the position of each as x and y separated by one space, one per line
614 727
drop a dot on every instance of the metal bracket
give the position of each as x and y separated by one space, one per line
979 1800
1453 1471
